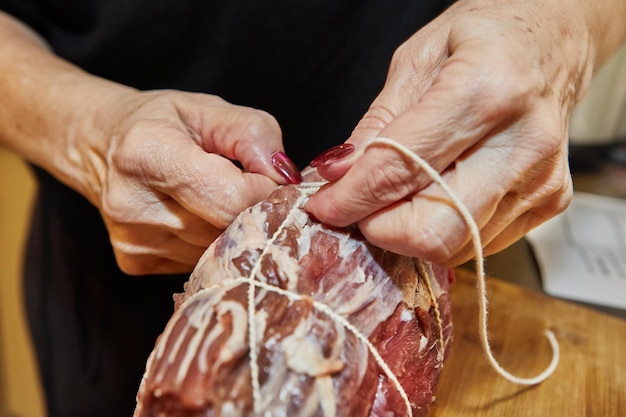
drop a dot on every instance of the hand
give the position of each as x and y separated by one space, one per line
156 164
483 94
166 186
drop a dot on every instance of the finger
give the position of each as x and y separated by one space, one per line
148 264
429 226
500 240
165 214
143 250
244 134
132 202
412 70
444 124
206 184
464 105
218 199
146 239
517 214
162 238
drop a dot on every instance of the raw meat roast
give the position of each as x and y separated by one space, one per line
284 316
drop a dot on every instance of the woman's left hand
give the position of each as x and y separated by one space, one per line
483 94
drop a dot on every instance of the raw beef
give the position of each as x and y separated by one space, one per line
339 327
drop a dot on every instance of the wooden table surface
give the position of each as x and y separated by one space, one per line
589 381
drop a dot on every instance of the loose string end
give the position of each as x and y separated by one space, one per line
480 270
545 374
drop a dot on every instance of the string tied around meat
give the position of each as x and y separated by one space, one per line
309 189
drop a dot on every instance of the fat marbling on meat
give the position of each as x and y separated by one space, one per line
340 327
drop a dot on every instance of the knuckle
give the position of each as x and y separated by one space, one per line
389 182
130 264
503 91
399 58
517 89
116 206
333 214
225 210
558 184
565 196
113 208
132 268
551 138
258 124
562 194
137 259
429 243
377 117
136 150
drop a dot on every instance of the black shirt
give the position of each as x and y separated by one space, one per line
315 65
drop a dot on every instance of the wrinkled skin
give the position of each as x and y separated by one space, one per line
157 164
483 94
168 188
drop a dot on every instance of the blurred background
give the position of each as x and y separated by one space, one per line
20 394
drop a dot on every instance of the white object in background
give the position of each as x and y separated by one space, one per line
600 117
582 252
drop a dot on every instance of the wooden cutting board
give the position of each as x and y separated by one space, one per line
589 381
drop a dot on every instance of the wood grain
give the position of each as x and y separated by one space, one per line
590 380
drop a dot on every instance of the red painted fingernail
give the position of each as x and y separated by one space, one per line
285 167
333 155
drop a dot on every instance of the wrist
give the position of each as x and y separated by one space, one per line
53 113
85 137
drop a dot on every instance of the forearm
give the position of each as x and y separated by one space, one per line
575 37
606 22
589 30
50 109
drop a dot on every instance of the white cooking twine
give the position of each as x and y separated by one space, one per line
480 267
309 189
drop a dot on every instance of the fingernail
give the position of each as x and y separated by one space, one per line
285 167
332 155
312 217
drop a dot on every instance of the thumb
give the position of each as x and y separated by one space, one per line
392 101
412 71
249 136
